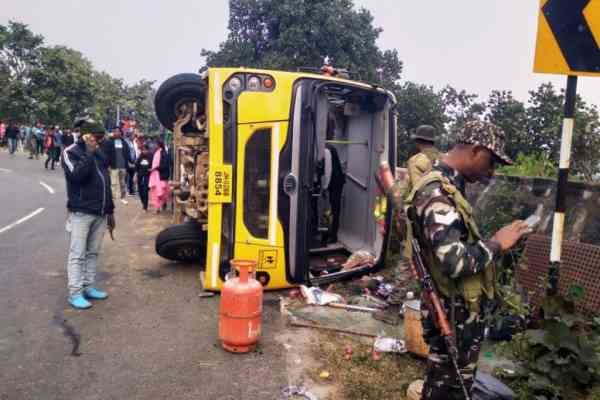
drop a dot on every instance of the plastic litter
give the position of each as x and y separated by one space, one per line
375 355
324 375
348 352
314 295
384 290
298 391
389 345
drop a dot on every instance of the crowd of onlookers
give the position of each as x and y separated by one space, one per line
132 157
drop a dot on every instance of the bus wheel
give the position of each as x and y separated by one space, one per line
176 92
184 242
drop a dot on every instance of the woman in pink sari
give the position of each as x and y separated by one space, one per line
159 178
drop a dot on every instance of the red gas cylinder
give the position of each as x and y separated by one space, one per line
240 309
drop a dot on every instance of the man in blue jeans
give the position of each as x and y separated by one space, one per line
91 207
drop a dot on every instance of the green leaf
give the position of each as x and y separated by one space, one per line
576 292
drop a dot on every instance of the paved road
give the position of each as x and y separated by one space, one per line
154 338
32 287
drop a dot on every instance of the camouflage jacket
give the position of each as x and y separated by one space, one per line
446 232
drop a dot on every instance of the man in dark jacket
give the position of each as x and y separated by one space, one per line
91 207
120 159
142 166
12 134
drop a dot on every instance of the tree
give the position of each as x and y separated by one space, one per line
289 34
544 119
19 50
140 99
586 141
417 105
510 115
19 54
109 93
62 85
461 106
544 127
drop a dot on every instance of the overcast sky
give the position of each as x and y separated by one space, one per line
471 44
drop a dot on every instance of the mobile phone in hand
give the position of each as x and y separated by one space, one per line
532 221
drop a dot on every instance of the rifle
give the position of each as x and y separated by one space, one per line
421 273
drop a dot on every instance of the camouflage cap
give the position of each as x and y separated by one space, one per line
88 125
485 134
424 132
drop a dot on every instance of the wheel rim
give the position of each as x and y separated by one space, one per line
188 252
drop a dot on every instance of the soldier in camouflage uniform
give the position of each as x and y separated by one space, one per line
418 165
421 163
460 261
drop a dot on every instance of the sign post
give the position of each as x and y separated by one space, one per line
568 43
561 189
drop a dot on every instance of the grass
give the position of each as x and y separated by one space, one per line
362 378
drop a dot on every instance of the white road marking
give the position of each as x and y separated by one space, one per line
25 218
5 170
48 187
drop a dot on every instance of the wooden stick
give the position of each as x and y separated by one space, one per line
306 325
351 307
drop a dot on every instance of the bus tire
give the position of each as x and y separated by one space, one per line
178 89
183 242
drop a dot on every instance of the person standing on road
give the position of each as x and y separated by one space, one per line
2 133
12 134
159 177
117 152
142 166
460 261
38 140
130 165
58 140
52 149
23 130
91 210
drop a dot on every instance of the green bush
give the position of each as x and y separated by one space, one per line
532 165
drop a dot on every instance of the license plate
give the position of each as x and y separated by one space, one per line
219 184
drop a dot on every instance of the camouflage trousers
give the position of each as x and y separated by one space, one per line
441 382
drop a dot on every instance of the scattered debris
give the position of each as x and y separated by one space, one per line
367 300
389 345
315 295
348 352
324 375
328 328
298 391
341 320
375 355
352 308
413 329
358 259
414 390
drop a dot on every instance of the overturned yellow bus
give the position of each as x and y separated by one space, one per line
278 167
